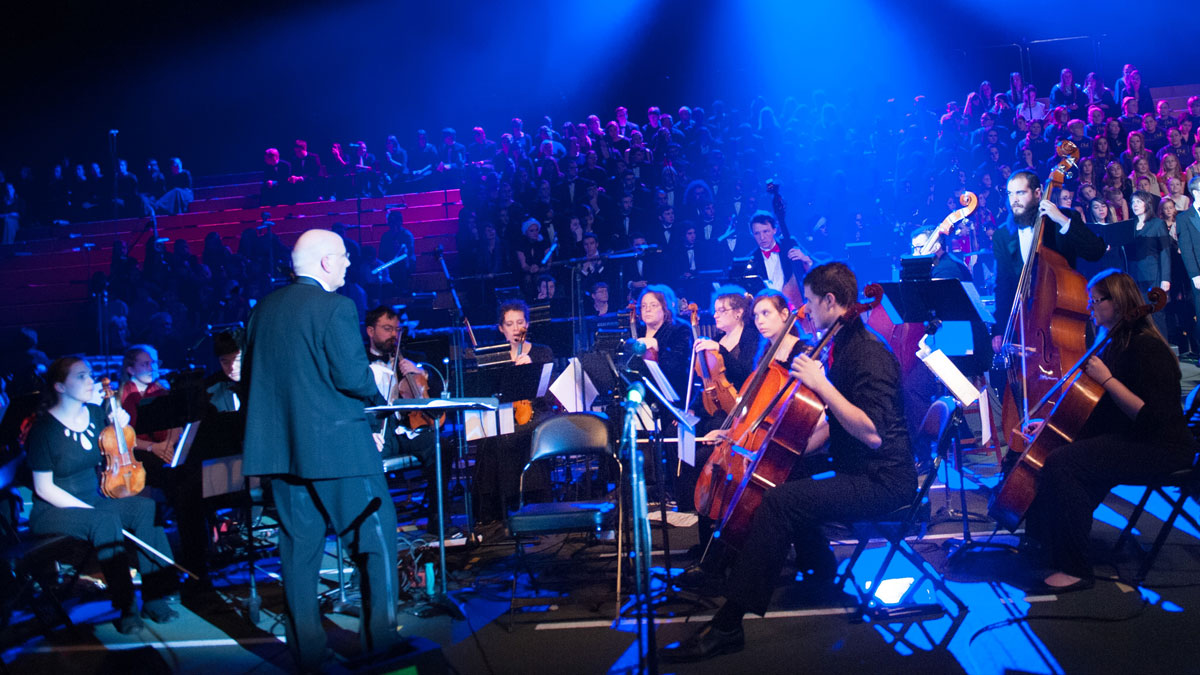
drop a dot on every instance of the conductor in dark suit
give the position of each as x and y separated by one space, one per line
1065 233
1187 223
308 381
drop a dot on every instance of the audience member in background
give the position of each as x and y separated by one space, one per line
179 190
306 172
1132 87
275 181
1030 108
1099 96
395 241
1149 253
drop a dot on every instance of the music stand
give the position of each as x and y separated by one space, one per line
434 407
964 320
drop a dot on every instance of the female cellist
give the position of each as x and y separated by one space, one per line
63 452
1136 432
771 313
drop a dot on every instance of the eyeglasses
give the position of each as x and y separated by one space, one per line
721 310
1094 302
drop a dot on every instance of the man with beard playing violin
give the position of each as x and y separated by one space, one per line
870 457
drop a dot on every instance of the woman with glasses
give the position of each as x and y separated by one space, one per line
1135 434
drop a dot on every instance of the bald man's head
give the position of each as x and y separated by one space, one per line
321 254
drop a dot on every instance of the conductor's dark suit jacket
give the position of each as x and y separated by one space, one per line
308 382
1078 242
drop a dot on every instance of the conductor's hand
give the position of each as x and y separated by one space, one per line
810 372
378 441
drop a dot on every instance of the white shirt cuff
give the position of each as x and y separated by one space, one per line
1064 228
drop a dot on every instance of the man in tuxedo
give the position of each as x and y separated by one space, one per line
308 381
1187 223
665 234
306 171
275 183
776 261
636 272
1012 242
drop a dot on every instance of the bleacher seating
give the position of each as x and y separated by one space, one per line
43 282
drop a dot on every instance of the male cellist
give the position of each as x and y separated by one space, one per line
1013 241
873 469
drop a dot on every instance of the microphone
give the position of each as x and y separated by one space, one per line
113 132
639 347
635 393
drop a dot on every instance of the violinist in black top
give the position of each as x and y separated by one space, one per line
872 462
500 459
63 451
662 333
737 343
1136 432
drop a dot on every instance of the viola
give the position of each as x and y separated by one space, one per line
121 475
718 392
1065 419
651 354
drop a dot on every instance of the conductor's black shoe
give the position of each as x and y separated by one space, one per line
705 643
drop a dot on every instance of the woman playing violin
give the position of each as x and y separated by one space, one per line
63 453
1137 432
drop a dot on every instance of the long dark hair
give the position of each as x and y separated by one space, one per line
1123 292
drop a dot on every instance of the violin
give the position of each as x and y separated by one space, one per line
523 409
122 475
718 392
413 385
651 354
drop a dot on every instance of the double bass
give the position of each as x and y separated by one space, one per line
1047 327
791 288
1064 417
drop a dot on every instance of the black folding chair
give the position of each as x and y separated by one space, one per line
578 434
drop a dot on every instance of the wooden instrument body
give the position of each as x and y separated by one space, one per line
1062 426
719 393
122 475
1054 322
786 431
726 466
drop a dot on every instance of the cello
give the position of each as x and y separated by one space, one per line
789 420
1066 418
1047 327
122 475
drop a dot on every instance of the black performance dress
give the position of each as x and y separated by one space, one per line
72 458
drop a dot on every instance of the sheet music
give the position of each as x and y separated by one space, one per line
566 390
687 441
544 382
660 380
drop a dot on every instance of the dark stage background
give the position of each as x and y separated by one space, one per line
217 82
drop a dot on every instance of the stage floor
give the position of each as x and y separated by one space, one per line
1113 628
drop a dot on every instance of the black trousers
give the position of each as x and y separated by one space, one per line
1075 480
306 508
101 527
793 513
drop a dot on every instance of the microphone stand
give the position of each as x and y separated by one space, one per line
457 348
642 544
